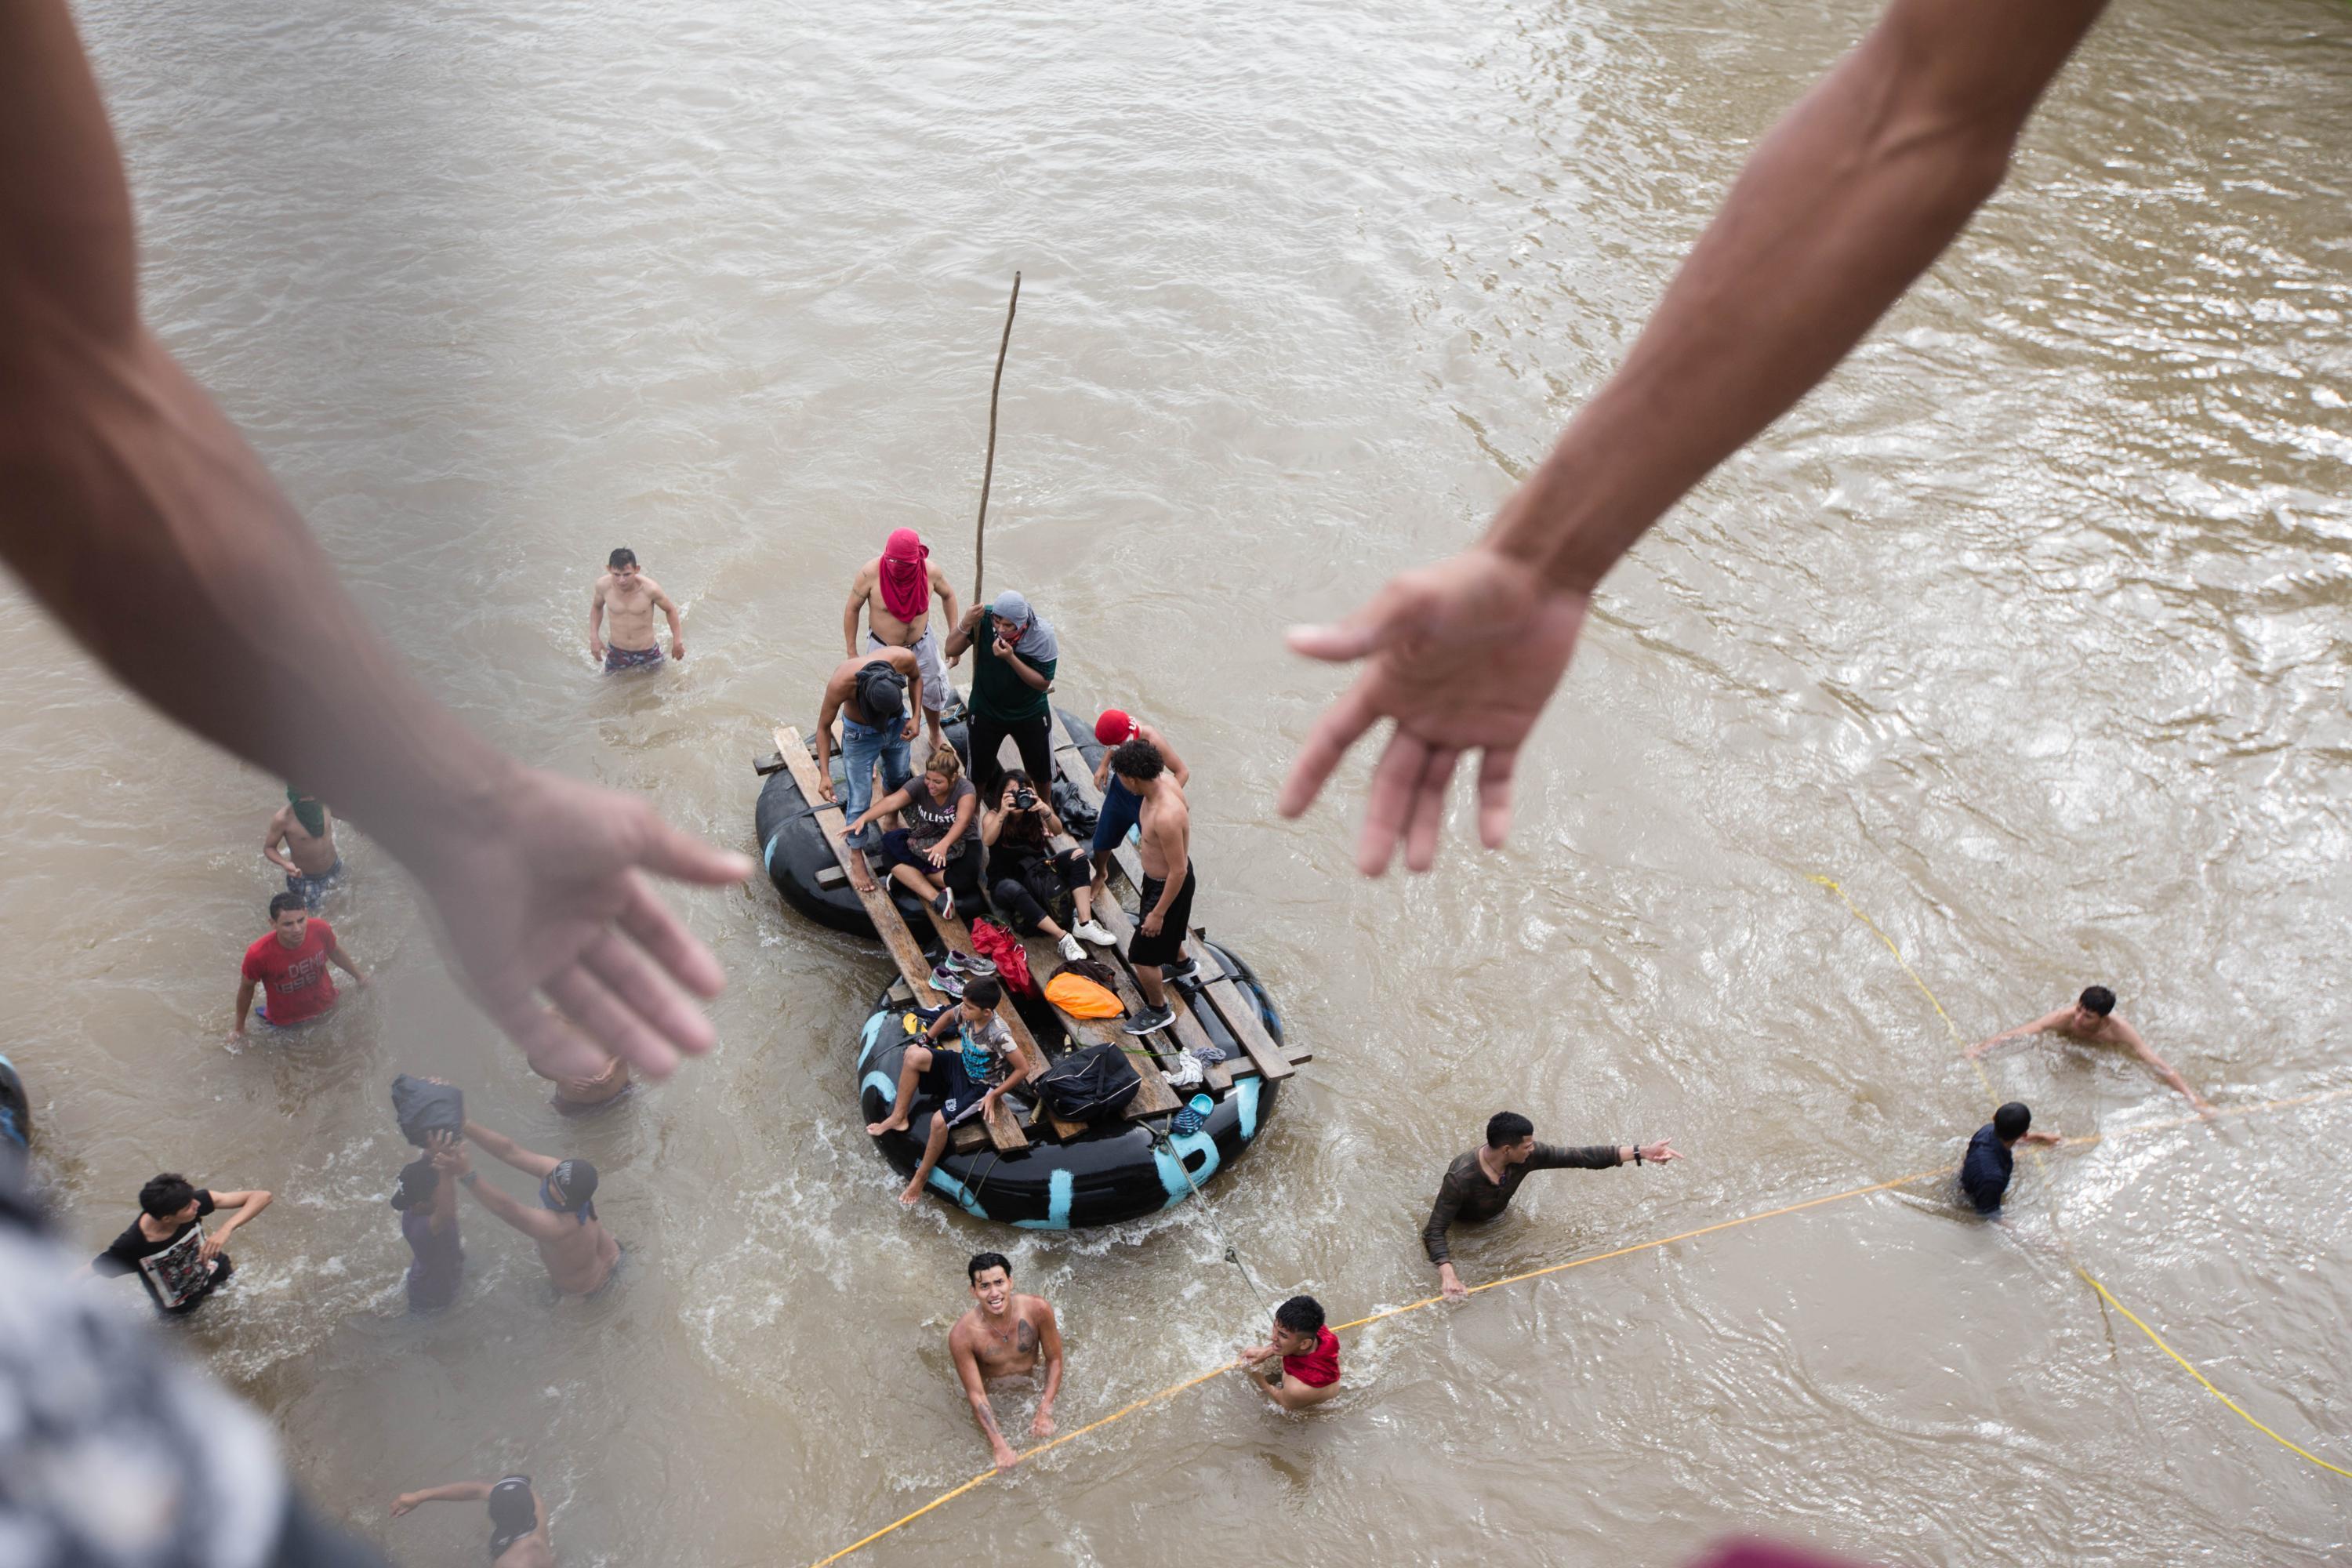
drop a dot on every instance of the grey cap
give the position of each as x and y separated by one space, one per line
1010 605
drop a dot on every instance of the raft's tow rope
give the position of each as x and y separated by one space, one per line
2072 1257
1173 1389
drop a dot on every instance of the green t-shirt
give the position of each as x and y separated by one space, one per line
998 691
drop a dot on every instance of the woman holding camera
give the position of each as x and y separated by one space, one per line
1026 877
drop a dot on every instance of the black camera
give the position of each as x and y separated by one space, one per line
1025 800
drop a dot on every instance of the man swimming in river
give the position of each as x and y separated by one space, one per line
630 598
2093 1019
580 1253
1480 1186
1004 1336
519 1537
894 591
311 862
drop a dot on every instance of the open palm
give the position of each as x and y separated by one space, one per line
548 898
1462 655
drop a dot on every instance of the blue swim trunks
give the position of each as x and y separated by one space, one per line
618 659
1121 810
312 890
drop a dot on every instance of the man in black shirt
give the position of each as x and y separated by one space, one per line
166 1246
1984 1170
1479 1185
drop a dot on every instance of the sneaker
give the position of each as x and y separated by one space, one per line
1071 950
1150 1021
1186 971
946 982
1094 932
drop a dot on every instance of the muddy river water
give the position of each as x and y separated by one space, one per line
2029 629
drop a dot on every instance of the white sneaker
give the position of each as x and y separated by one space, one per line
1071 950
1094 932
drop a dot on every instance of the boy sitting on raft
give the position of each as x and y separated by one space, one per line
968 1076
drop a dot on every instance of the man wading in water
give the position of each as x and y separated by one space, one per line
1004 1336
2093 1020
630 598
895 591
579 1252
1480 1186
519 1537
311 864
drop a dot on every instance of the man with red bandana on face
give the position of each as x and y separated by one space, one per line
895 593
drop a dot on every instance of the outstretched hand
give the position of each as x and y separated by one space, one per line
1462 655
542 893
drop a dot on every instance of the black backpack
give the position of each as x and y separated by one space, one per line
422 1108
1090 1084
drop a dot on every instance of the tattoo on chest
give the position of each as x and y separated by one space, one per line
1024 1338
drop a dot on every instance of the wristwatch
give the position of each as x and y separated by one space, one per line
1637 1154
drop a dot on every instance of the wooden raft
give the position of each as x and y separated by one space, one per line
1002 1132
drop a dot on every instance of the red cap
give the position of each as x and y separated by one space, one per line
1115 727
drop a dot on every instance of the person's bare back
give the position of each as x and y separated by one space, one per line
580 1259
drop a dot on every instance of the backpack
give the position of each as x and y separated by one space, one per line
994 943
1090 1084
422 1108
1080 996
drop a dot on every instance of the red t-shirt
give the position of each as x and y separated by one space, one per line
1319 1368
296 977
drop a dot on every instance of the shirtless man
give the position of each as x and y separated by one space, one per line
577 1095
2091 1018
311 862
895 591
1003 1336
579 1252
1120 807
518 1536
630 597
878 720
1169 880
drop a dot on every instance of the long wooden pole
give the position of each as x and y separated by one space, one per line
988 470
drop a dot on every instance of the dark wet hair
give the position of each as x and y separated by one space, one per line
2098 999
1300 1314
984 992
1506 1128
622 557
982 1262
417 1181
513 1509
1138 759
285 901
2009 1123
167 1194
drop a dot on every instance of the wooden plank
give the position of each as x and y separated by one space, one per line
896 937
1155 1097
957 936
1237 1010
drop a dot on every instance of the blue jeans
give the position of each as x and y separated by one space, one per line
860 745
1121 813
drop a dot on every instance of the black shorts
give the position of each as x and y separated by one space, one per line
1168 947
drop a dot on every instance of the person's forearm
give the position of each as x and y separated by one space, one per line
453 1491
677 630
849 627
595 627
1053 1384
985 1417
270 854
244 1003
1021 667
496 1145
1839 209
1440 1221
135 513
498 1204
1174 888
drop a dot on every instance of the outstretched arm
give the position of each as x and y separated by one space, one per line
2047 1021
499 1146
132 508
1839 209
2158 1065
454 1491
968 1369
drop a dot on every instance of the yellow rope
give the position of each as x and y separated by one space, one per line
1173 1389
2106 1295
